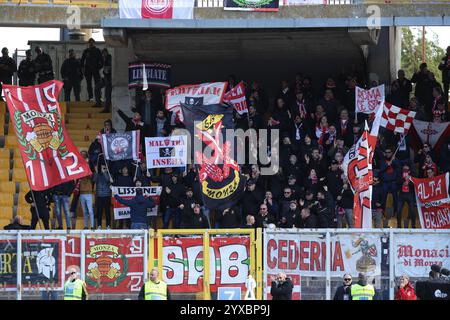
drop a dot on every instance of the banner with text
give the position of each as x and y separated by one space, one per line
183 262
114 265
368 101
123 212
251 5
42 263
164 152
236 97
433 202
416 253
304 254
157 74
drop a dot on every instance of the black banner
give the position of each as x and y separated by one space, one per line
42 262
121 146
219 174
252 5
158 74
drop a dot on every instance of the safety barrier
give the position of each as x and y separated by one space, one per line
205 263
382 254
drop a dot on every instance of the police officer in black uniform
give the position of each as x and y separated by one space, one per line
7 68
27 71
44 66
72 76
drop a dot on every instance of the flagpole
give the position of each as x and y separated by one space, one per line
398 146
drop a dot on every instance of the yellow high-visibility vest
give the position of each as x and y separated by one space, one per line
73 290
362 292
155 291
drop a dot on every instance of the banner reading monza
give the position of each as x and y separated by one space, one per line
123 212
49 155
157 74
164 152
42 263
114 265
304 254
222 183
433 202
183 262
416 253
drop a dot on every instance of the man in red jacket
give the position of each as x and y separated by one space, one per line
405 290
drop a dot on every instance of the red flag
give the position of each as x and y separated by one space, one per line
49 155
236 97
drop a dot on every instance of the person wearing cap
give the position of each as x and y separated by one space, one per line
72 76
44 66
198 219
343 292
7 68
27 70
75 288
91 63
362 290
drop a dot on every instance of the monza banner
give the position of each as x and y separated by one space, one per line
251 5
48 154
114 265
416 253
42 263
164 152
123 212
433 202
183 262
304 254
368 101
157 74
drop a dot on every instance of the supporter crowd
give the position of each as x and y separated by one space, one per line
317 126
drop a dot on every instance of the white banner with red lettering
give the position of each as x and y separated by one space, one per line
236 97
123 212
164 152
416 253
369 101
156 9
48 154
304 254
433 202
195 94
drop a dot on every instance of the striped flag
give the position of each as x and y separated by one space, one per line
397 119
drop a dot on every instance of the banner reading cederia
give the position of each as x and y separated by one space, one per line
305 254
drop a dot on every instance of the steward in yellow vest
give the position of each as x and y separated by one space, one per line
362 290
74 288
154 289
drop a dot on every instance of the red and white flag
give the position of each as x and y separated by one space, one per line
397 119
369 101
433 201
49 155
156 9
432 133
195 95
236 97
357 166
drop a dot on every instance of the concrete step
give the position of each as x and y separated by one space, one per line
94 121
82 132
85 110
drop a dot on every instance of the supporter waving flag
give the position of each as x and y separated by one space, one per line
357 166
49 156
397 119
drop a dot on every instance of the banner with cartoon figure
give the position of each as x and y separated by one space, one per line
416 253
304 254
49 155
183 262
114 265
42 263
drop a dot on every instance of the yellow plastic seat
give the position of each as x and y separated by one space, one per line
24 187
4 153
6 200
24 210
11 141
4 222
2 107
4 175
4 164
18 163
21 199
8 187
19 175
